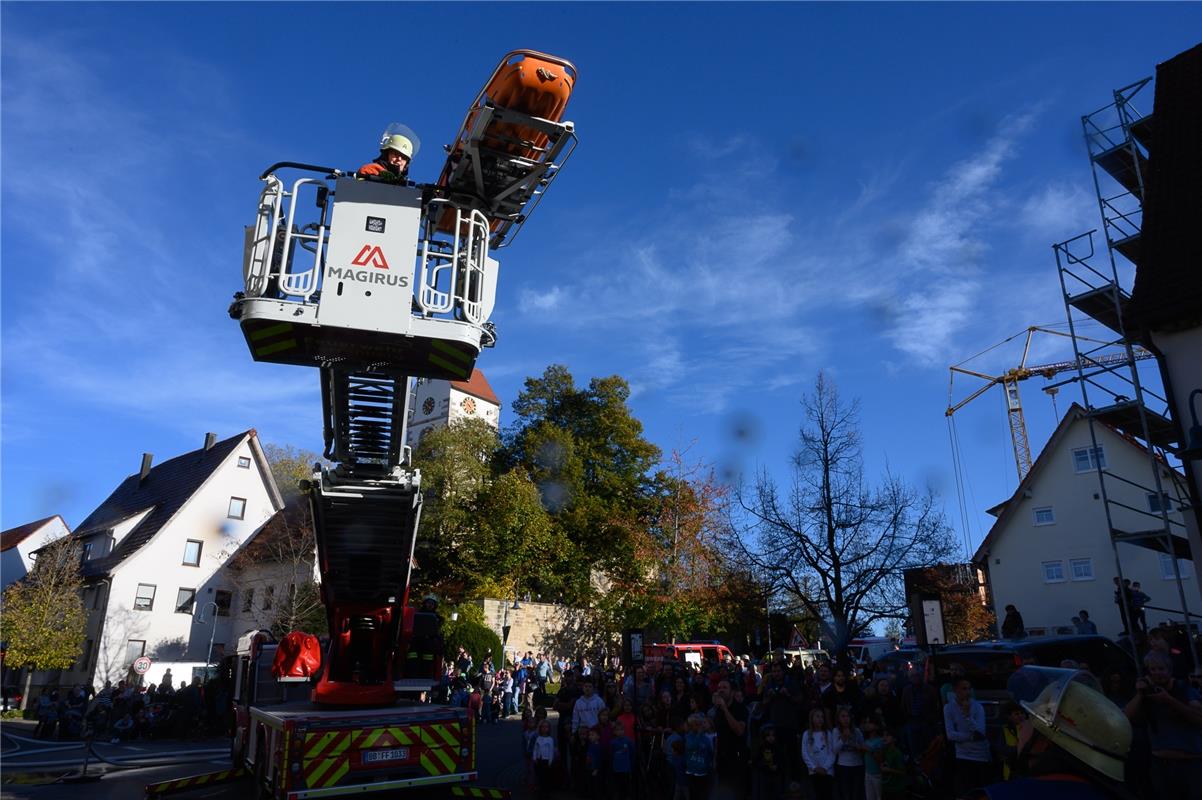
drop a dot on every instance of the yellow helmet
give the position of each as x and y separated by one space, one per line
1078 718
399 143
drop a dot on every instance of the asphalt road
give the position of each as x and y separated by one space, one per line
45 770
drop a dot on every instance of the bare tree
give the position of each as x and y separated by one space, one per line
830 541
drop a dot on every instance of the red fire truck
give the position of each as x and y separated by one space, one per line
377 281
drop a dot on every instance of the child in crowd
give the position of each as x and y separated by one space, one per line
698 758
873 747
766 776
1014 719
674 755
594 765
818 752
893 769
849 758
529 734
621 762
543 754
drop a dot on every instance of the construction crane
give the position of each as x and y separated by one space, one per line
375 283
1010 379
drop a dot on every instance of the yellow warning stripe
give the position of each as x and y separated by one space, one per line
322 741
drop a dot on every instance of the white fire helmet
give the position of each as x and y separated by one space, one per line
1072 712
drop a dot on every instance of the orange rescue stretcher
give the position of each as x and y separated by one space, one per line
513 138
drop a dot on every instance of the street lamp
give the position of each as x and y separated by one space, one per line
212 635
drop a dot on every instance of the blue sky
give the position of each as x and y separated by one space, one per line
760 192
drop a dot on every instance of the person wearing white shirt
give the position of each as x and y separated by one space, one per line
818 752
587 707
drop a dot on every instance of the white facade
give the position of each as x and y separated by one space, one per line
436 404
1182 370
134 610
17 558
1050 555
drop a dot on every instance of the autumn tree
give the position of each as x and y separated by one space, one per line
834 543
44 622
966 616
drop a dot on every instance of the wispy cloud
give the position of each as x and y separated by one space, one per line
118 305
719 296
1058 211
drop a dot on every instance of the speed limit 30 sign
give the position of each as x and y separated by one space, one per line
141 665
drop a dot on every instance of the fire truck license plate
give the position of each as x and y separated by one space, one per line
400 754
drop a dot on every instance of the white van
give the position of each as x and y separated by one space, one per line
869 648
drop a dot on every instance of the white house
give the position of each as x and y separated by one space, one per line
439 403
1050 554
155 556
17 545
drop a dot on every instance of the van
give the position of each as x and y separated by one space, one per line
808 658
696 653
869 648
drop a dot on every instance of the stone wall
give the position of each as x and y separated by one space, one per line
532 626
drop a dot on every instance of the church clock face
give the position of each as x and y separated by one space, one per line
428 406
468 405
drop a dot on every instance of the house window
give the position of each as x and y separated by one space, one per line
1183 564
243 462
1081 568
1044 516
1086 459
192 553
144 599
185 601
224 600
1158 501
237 507
248 600
1053 572
87 551
134 649
268 596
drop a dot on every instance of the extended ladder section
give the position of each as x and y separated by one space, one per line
376 283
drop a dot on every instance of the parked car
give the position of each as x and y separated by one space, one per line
989 665
900 661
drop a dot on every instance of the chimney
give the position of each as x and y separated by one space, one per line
147 458
210 440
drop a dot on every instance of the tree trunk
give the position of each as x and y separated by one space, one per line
28 688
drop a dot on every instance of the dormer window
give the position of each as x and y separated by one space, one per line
243 462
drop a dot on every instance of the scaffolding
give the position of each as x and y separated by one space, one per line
1095 286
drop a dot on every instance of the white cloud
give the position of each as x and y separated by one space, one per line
128 290
535 301
1059 211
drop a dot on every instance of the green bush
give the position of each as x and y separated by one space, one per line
474 637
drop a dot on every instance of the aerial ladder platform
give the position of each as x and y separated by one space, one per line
375 284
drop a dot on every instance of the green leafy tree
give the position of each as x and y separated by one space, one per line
44 622
586 453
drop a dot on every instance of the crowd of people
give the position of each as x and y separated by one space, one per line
125 711
740 729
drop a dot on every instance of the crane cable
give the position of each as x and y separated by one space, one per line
958 469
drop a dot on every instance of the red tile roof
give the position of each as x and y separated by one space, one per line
477 386
14 536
